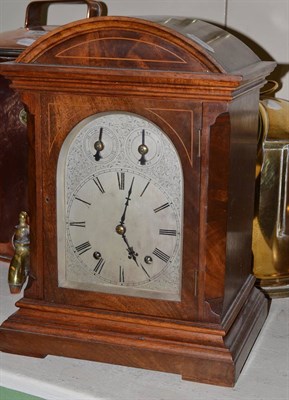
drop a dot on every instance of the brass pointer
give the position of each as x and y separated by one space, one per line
121 229
99 146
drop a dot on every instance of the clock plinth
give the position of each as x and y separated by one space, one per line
196 352
142 146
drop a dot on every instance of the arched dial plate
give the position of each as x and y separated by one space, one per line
123 203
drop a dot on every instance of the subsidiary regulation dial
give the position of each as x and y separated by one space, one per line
100 144
144 146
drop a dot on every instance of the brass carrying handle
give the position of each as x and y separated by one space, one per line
269 89
37 11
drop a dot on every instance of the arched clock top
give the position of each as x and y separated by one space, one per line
158 43
120 42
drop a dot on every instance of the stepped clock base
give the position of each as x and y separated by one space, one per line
200 353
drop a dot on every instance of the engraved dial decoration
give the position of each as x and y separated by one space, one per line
120 205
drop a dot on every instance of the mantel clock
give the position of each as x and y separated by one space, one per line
142 143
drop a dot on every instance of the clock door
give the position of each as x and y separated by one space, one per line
117 238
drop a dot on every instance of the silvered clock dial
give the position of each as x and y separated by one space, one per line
120 208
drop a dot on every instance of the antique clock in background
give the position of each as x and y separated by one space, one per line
142 138
13 188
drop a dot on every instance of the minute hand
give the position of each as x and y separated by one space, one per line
127 203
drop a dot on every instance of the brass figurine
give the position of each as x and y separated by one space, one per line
20 263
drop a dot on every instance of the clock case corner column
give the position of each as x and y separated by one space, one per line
229 173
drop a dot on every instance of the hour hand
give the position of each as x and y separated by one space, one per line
131 253
121 230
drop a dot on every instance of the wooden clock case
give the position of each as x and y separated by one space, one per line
200 85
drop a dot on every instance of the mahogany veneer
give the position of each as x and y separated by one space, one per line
200 85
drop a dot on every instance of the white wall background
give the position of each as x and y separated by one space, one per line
262 24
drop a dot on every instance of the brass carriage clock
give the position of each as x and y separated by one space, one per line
142 136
